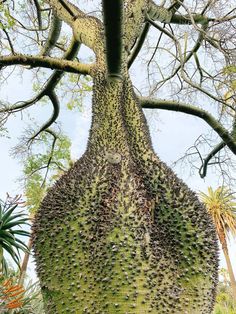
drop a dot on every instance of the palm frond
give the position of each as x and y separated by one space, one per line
221 204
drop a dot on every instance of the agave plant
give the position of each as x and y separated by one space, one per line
11 224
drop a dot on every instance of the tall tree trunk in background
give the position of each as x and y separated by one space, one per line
1 260
119 232
25 262
229 265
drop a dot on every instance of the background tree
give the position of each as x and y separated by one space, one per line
221 206
119 180
225 302
42 165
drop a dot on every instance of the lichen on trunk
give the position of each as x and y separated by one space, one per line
119 232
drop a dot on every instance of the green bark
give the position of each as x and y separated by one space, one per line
119 232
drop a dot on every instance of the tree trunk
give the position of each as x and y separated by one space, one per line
230 269
1 260
25 262
119 232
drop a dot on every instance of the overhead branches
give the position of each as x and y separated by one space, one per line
47 90
187 19
192 110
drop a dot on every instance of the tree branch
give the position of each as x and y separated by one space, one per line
86 29
203 169
164 15
192 110
56 109
46 62
50 84
138 45
186 19
175 6
65 11
158 13
113 21
54 33
38 12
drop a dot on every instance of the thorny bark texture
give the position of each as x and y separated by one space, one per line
119 232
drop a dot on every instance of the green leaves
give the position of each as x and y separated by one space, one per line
10 241
6 20
43 165
221 204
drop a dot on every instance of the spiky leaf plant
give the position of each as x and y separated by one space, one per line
12 223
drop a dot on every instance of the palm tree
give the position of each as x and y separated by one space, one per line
221 205
10 241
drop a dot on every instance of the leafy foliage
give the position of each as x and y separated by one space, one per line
221 205
43 165
11 231
225 303
6 20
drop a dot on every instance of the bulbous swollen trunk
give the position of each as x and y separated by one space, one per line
119 232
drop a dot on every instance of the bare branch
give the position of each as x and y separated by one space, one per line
38 11
203 169
55 29
138 45
192 110
48 87
56 109
46 62
186 19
